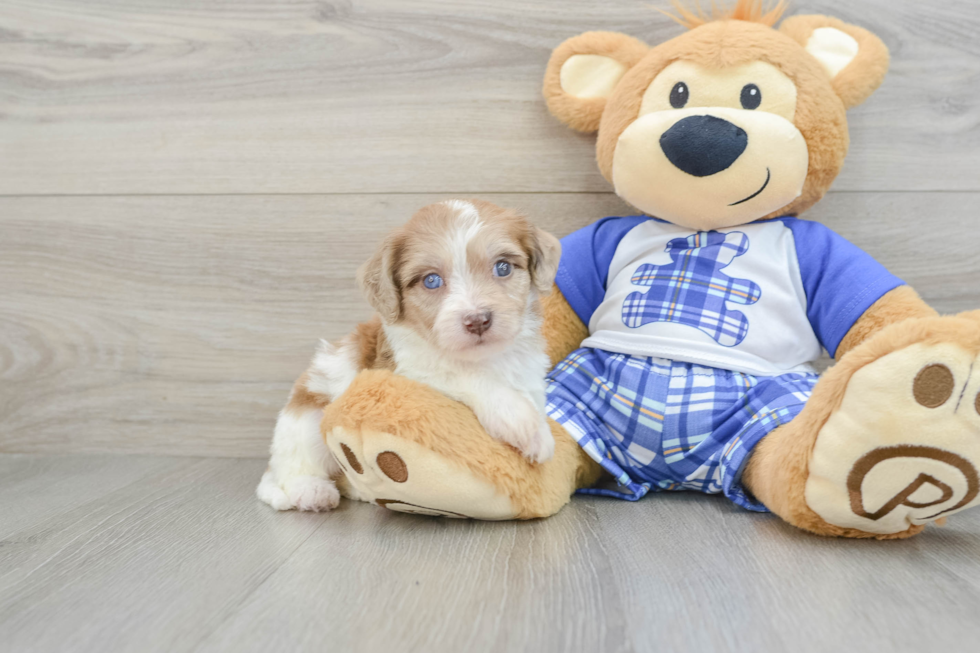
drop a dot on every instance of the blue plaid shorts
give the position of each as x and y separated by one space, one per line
656 424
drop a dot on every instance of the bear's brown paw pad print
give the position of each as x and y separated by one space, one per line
933 386
392 466
402 475
925 491
352 460
388 463
903 449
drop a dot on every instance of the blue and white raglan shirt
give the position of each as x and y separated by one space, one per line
760 299
700 343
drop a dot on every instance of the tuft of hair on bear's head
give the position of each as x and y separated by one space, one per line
752 11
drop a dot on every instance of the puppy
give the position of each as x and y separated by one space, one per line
456 293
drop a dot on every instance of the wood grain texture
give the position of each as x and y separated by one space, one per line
151 565
314 96
187 189
181 557
176 325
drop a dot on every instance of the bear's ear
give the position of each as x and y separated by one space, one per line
855 59
582 73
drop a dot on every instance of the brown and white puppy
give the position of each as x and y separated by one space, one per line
456 293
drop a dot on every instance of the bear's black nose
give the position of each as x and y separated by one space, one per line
703 145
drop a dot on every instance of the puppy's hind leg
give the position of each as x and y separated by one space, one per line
300 467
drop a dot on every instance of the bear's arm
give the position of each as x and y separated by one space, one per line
562 328
897 305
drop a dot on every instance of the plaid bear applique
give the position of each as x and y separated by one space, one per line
694 290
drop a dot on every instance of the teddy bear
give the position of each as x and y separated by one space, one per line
683 337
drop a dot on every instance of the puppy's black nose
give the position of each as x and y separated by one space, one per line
478 323
703 145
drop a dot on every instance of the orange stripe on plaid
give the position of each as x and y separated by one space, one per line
677 291
754 417
731 446
605 386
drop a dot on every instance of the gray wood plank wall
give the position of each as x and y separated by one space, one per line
186 189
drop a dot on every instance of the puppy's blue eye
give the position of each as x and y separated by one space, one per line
502 269
432 281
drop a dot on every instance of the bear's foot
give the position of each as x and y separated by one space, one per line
406 447
401 475
903 447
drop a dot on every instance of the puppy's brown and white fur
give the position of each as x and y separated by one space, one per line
456 290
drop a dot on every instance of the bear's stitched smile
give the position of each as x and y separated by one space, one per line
756 193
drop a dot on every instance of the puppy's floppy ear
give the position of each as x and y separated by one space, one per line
544 254
855 59
582 73
378 279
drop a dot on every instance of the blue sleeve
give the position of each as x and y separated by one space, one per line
585 258
840 279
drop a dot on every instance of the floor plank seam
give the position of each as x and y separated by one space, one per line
238 604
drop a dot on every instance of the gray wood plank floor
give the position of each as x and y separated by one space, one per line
112 553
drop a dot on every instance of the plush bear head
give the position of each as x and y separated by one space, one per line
731 122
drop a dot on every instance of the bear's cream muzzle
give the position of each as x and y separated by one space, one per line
710 167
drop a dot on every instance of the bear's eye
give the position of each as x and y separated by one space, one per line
751 97
679 95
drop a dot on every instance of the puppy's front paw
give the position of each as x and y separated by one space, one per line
523 428
541 448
